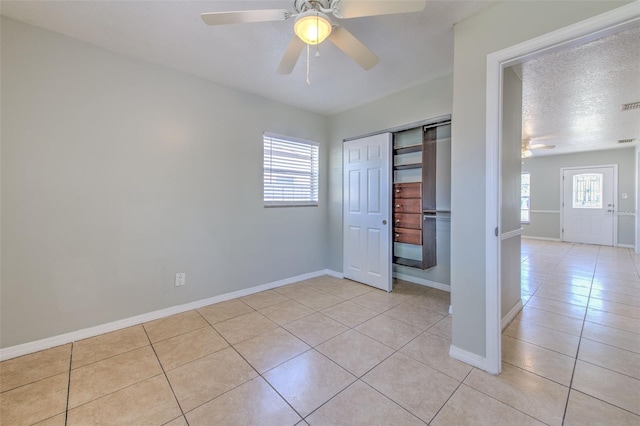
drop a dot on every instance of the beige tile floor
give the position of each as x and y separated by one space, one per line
331 351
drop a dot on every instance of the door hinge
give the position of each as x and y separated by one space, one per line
563 230
496 231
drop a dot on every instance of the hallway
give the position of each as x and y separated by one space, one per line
579 329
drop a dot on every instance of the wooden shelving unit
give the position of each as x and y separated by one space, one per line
414 201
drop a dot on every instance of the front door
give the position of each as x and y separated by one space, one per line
588 208
367 210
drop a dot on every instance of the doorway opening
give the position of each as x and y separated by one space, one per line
577 34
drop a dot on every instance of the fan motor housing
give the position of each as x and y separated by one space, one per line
305 5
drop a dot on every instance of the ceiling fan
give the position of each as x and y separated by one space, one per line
527 147
313 25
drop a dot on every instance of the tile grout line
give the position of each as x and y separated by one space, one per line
396 351
231 346
264 378
319 352
451 396
258 373
502 402
111 356
569 387
250 365
332 361
575 362
66 409
165 373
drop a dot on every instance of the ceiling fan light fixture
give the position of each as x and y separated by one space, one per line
312 27
526 153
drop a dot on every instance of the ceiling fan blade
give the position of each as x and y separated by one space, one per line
245 16
291 55
347 9
541 146
353 48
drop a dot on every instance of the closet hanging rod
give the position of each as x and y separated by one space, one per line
430 126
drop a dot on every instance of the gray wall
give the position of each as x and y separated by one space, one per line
546 185
117 174
500 26
510 197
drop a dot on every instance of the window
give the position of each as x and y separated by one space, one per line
525 197
587 191
290 171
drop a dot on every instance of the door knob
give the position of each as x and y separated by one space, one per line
384 222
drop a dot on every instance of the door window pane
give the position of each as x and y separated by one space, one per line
525 196
587 191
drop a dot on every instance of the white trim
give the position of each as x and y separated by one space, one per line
50 342
468 357
493 297
506 320
637 206
531 237
334 274
577 33
422 281
629 246
545 211
511 234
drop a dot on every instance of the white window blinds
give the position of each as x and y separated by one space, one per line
290 172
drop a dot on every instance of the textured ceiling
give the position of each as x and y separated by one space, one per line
413 48
571 98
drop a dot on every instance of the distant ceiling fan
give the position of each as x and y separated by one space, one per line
313 25
527 147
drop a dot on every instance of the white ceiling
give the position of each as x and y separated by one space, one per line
571 98
413 48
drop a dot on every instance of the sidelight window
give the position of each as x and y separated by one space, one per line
525 198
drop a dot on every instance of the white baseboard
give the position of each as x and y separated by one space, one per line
530 237
630 246
506 320
334 274
422 281
467 357
50 342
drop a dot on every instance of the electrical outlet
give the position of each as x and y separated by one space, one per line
181 279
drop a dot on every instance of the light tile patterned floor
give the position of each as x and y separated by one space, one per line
330 351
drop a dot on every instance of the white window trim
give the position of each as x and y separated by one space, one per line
313 187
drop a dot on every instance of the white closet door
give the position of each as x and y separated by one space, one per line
367 210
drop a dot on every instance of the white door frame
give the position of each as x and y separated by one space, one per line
615 195
576 34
